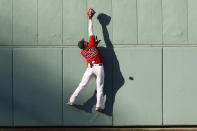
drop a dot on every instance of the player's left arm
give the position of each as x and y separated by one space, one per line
97 41
92 39
90 28
90 14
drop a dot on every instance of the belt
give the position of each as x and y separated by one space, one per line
91 65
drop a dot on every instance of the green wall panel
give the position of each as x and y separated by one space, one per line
180 86
138 98
6 87
74 21
175 21
5 22
192 21
133 77
101 7
25 22
37 86
50 22
124 21
84 113
149 21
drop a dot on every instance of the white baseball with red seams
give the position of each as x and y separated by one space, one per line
95 68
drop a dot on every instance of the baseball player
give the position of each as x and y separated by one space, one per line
93 56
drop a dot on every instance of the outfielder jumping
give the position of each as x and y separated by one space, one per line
93 57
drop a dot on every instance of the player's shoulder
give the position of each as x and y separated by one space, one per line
92 37
84 49
92 41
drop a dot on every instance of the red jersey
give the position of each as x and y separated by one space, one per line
92 53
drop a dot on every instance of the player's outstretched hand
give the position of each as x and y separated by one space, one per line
90 13
97 41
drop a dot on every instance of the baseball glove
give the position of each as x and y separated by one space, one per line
90 13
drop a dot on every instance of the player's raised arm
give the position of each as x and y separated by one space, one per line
90 28
90 14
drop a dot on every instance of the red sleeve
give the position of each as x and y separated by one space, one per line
92 41
82 53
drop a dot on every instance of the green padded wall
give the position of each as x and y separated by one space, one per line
6 87
84 113
180 86
74 21
124 21
47 66
37 86
175 23
47 22
25 22
192 21
50 22
5 22
149 21
138 86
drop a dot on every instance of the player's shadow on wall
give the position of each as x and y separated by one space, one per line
114 79
111 65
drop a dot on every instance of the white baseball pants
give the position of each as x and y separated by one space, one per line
97 71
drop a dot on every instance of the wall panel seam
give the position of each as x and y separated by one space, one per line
112 59
187 21
62 21
114 46
37 25
137 21
112 40
12 86
62 88
86 19
162 20
162 87
162 57
12 23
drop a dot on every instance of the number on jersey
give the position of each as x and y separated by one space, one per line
91 52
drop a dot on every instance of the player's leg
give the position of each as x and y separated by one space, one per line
85 79
100 83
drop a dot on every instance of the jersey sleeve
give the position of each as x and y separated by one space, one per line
82 53
92 41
